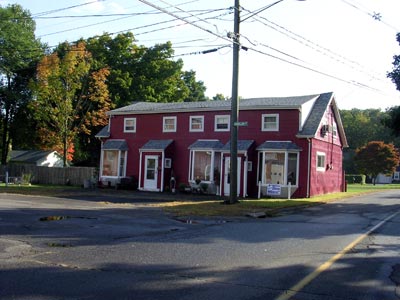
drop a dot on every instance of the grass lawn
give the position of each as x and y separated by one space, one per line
270 207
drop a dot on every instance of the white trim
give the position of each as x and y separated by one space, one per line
169 118
168 163
134 124
190 124
320 154
216 123
162 171
276 128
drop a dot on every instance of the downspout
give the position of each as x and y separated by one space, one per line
101 160
245 166
221 174
162 171
308 168
140 170
190 166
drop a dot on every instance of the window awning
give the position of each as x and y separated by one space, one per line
206 145
115 145
242 145
103 133
156 145
278 145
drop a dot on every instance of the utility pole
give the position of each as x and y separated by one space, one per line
234 107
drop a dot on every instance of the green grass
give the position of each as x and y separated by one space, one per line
270 207
36 189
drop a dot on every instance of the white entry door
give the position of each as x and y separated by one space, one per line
151 172
227 177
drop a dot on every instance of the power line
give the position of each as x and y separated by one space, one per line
65 8
351 82
377 16
318 48
184 20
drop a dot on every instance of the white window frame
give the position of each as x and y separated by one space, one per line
121 168
321 166
334 130
211 166
126 120
216 123
191 129
168 129
263 123
168 163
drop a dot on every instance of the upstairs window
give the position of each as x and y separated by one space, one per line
196 124
334 129
169 124
130 125
270 122
222 123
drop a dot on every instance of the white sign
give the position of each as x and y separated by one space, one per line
273 189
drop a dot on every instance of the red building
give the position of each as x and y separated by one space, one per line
292 144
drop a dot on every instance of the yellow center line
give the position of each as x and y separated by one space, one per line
326 265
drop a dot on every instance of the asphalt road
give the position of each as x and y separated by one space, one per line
53 248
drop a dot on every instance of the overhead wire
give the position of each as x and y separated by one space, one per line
377 16
317 47
65 8
218 35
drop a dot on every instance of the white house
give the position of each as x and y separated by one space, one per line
38 158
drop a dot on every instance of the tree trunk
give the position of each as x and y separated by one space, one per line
6 125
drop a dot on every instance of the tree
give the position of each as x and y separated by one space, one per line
375 158
139 73
19 52
196 88
394 75
71 98
361 127
220 97
392 120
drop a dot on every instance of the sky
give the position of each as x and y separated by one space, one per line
290 48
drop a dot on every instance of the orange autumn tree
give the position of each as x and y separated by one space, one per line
70 98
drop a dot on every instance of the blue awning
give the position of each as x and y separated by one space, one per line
156 145
242 145
115 145
278 145
206 145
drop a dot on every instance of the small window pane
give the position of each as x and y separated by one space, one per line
169 124
130 125
321 161
270 122
196 123
222 123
